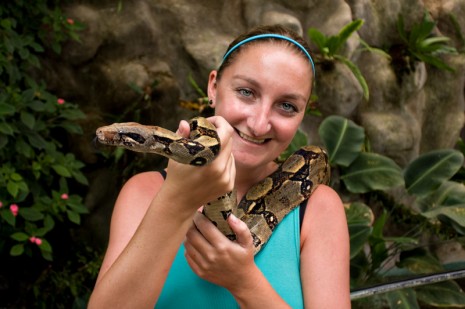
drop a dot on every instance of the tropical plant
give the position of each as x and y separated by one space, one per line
330 47
34 177
40 180
421 44
365 180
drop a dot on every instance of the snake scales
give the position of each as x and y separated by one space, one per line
263 206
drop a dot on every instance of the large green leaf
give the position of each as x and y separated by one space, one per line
357 73
405 298
6 109
318 38
342 138
347 31
359 219
449 193
371 172
359 235
31 214
430 170
455 213
443 294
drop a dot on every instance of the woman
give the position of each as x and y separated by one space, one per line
163 252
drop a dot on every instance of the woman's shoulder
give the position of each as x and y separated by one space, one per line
325 195
136 196
143 183
325 210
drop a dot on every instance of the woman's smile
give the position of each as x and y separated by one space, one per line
251 139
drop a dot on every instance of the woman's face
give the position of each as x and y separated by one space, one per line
263 95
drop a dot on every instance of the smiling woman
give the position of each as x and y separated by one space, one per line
164 253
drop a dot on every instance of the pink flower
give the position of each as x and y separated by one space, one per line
64 196
1 204
35 240
70 21
14 209
61 101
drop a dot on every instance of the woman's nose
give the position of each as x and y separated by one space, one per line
259 122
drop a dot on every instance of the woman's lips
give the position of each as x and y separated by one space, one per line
251 139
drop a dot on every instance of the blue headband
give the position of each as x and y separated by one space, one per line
272 35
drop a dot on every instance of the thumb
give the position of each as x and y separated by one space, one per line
183 129
243 235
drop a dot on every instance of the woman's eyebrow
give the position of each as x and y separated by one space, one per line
255 83
295 96
247 79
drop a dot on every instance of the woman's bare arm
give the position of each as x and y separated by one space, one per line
325 252
150 222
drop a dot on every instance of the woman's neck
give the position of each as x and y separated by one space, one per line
247 177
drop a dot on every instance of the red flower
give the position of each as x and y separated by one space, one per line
14 209
64 196
61 101
35 240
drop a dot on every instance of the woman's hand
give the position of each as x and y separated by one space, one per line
217 259
200 185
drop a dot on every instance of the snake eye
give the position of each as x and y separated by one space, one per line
134 136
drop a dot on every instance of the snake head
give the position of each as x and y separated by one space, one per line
119 135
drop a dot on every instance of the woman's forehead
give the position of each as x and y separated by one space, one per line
270 54
267 66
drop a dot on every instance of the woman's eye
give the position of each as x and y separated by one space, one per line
288 107
245 92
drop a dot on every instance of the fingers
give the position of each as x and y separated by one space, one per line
201 241
225 158
213 257
183 129
204 234
207 232
223 128
243 236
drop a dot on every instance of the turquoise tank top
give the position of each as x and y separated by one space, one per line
279 261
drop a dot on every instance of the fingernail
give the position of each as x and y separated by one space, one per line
233 218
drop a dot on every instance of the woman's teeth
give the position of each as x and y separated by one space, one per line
251 139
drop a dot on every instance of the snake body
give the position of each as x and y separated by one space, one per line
263 206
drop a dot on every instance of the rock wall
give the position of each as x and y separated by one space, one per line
134 62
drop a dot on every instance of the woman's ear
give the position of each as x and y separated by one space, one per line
212 87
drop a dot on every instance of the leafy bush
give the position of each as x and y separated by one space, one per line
435 208
330 46
420 44
35 174
39 178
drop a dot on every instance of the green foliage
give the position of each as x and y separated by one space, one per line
422 45
330 46
39 179
36 173
371 172
437 206
299 140
343 139
429 171
68 285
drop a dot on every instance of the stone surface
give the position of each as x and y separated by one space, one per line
138 61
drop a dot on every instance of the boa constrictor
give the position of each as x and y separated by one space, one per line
263 206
